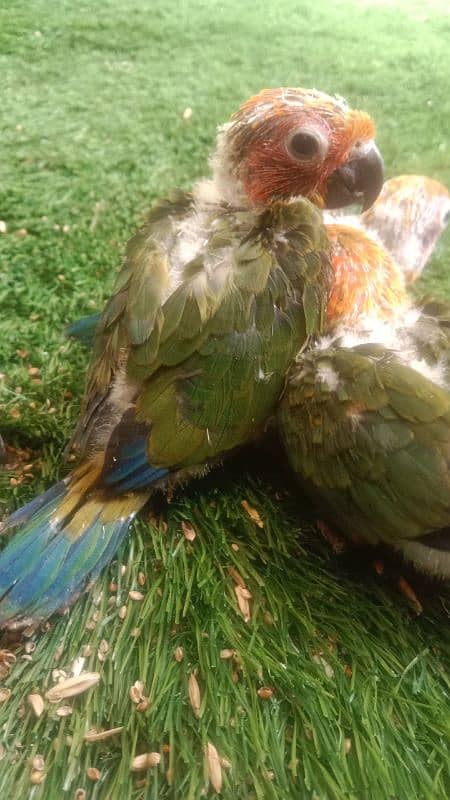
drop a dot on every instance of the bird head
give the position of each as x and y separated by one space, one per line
366 282
408 217
286 143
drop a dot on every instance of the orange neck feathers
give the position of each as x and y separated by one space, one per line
366 280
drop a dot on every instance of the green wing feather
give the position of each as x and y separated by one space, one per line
207 344
370 437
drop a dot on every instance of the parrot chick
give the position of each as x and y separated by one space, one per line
365 419
217 294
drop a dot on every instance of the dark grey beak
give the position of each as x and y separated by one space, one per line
358 181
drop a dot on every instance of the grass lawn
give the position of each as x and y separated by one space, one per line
336 687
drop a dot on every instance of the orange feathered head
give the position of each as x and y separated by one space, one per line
286 143
366 280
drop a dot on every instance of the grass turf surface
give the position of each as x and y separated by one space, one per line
92 132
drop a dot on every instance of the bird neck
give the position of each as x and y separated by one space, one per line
366 282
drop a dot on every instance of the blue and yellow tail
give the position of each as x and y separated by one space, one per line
66 538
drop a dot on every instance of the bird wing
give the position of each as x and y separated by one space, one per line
202 351
371 436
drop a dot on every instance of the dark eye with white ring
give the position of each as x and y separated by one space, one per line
307 145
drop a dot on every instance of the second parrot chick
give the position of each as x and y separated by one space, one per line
365 419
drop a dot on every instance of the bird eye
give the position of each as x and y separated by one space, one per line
446 218
305 144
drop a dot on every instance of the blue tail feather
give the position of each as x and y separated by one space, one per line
60 546
131 470
23 514
44 567
84 329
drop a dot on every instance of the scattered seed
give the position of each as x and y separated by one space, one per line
123 611
37 704
188 531
64 711
378 566
187 113
5 694
3 226
225 763
194 694
145 761
227 653
99 736
242 599
322 662
37 763
179 654
133 595
136 632
237 578
347 746
265 692
80 794
348 670
33 371
234 547
21 232
253 513
22 353
214 767
142 579
7 661
86 651
37 777
78 664
58 675
93 773
409 592
166 748
137 692
72 686
103 650
143 705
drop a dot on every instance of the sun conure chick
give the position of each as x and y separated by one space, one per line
217 294
365 418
